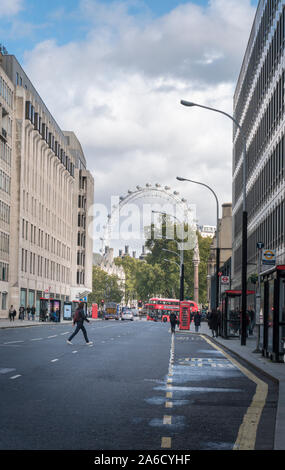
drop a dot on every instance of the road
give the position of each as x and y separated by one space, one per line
136 387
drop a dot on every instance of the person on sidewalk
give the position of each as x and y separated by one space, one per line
214 322
79 318
22 312
12 313
173 321
197 321
33 312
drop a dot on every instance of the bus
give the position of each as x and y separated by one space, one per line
160 309
112 311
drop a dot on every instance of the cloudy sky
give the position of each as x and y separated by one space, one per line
114 72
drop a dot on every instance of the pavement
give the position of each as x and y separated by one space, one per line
275 371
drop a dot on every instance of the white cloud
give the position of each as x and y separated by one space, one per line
120 92
10 7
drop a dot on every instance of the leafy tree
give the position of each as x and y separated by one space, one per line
104 286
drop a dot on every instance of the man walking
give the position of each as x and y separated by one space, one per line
173 321
197 321
79 318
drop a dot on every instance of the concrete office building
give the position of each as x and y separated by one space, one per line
46 182
259 108
6 121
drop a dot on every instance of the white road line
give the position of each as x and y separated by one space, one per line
15 377
74 352
54 360
13 342
53 336
66 333
36 339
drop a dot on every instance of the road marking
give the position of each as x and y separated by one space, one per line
168 404
166 442
247 432
36 339
168 394
54 360
74 352
15 377
53 336
167 419
66 333
13 342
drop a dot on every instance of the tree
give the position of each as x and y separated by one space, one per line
104 286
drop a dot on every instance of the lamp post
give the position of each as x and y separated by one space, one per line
180 178
244 219
181 293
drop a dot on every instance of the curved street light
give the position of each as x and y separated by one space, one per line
180 178
244 218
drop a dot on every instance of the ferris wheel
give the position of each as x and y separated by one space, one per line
178 206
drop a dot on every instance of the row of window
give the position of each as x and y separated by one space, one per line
4 212
268 69
270 120
270 231
261 38
6 92
5 153
43 267
81 258
44 240
4 243
80 277
81 239
4 272
81 221
53 144
5 182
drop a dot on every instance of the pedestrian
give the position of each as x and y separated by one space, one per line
219 323
33 312
22 312
79 318
252 320
173 321
12 313
214 322
197 321
28 312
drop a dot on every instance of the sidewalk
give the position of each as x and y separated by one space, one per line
275 371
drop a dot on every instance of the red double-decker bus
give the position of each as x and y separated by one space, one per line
160 309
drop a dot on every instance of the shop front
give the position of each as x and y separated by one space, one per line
272 313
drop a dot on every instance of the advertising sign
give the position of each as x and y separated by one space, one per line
67 311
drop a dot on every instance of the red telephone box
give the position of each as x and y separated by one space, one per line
184 315
94 311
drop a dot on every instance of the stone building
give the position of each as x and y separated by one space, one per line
45 186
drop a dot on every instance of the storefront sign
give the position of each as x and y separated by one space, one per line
225 279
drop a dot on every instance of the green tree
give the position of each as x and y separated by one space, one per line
104 286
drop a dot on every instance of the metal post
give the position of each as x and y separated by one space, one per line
257 306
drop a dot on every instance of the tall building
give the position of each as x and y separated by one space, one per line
6 123
47 178
259 108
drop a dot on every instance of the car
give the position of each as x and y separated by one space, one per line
127 314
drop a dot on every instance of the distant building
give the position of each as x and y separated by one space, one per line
107 264
207 230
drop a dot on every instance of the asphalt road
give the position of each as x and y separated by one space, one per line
136 387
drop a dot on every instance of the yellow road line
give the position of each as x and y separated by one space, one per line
247 432
167 419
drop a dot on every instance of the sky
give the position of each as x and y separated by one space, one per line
114 72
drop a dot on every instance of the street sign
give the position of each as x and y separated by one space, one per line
225 279
268 257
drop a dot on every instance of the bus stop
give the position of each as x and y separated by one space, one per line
272 313
231 309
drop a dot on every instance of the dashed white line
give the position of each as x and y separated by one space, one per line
15 376
53 336
36 339
13 342
54 360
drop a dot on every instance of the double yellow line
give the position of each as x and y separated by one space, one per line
247 432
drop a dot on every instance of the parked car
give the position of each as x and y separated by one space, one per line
127 314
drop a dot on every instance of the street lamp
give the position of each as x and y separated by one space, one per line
244 219
181 293
180 178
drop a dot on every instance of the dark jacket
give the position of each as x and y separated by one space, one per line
197 319
173 318
79 316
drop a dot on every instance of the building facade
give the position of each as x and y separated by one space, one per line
259 108
45 187
6 136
